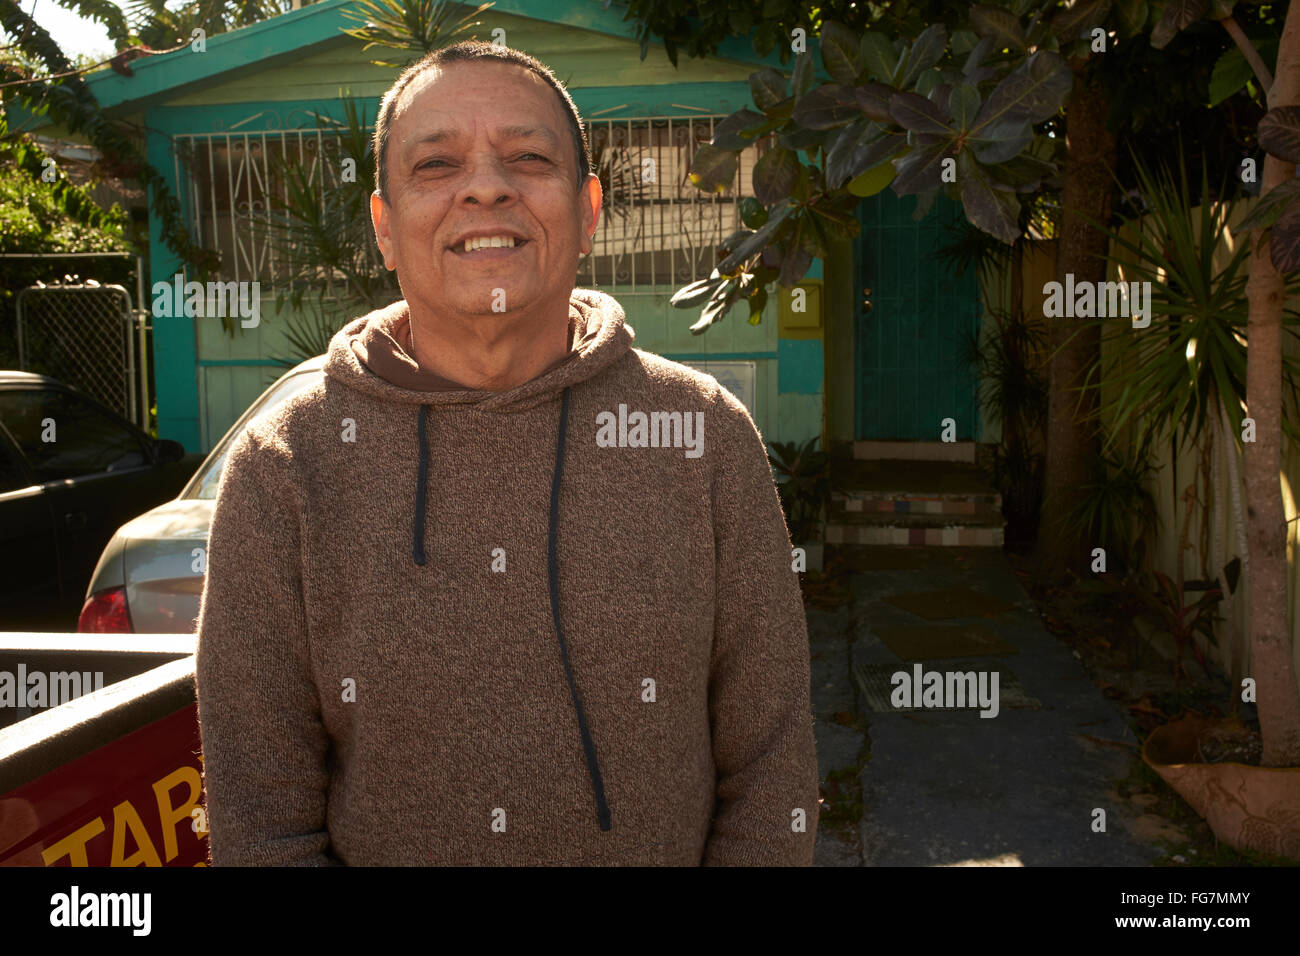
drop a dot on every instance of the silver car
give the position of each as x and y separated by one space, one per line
150 576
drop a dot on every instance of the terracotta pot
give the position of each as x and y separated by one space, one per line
1249 808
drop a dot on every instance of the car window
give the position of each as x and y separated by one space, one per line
86 440
204 484
13 470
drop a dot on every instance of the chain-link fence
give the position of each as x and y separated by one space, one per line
86 335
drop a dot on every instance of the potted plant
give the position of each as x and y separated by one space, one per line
804 484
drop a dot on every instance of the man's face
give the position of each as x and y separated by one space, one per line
483 147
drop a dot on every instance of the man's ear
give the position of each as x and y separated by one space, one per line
592 198
379 215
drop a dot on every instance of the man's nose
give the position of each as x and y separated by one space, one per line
487 180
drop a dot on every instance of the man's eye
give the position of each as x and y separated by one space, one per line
429 162
537 155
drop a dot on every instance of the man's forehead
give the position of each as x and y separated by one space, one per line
503 71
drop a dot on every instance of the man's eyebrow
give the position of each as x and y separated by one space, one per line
509 132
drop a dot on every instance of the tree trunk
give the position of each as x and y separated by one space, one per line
1278 698
1236 637
1073 443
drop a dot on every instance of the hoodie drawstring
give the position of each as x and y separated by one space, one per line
553 573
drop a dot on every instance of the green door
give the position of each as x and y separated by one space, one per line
912 324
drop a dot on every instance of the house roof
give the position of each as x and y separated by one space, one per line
319 25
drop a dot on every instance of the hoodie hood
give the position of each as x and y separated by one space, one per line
369 355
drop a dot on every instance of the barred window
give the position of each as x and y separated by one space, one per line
656 228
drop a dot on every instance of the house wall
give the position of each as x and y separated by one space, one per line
205 377
233 371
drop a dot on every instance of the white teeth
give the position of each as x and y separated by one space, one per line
480 242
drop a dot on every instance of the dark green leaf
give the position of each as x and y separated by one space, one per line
726 135
925 53
1000 24
795 265
963 105
1132 16
994 211
826 107
1279 133
812 235
1070 22
836 223
919 169
775 175
917 114
1270 206
939 94
1179 15
1284 243
972 68
929 81
1231 73
840 52
1031 93
1023 172
713 169
878 56
804 74
752 212
767 87
1001 142
800 137
873 100
866 148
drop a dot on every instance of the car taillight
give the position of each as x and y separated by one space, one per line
105 613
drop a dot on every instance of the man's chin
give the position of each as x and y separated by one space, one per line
495 298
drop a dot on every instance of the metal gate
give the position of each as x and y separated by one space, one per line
87 335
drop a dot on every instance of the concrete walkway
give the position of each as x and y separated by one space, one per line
948 787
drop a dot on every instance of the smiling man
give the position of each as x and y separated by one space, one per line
462 606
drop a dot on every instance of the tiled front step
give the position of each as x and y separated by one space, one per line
855 504
981 536
890 486
963 451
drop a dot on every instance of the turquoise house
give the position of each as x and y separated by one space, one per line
869 352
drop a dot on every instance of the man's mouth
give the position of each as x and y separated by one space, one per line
488 247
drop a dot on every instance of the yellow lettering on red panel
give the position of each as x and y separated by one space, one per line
172 815
73 845
124 817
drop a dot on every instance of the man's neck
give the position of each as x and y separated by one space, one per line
495 353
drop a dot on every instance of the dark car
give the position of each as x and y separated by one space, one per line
61 500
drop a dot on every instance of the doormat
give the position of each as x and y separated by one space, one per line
875 683
946 604
943 641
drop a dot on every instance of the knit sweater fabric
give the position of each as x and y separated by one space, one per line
451 626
